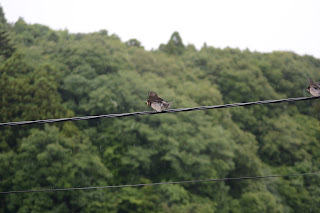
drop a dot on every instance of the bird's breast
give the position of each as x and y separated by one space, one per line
156 106
314 92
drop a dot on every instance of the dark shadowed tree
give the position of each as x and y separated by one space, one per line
6 45
2 16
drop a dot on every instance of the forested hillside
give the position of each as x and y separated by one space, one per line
53 74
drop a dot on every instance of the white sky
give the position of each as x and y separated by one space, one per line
260 25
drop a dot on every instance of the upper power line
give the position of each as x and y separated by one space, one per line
152 112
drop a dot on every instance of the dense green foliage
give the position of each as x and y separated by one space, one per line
52 74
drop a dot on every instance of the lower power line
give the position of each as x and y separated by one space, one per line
153 184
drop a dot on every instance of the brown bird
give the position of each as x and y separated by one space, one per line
157 103
314 88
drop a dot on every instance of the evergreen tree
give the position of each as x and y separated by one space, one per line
174 45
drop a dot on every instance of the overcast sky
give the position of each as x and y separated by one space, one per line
260 25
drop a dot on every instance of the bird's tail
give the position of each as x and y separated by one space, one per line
170 104
166 105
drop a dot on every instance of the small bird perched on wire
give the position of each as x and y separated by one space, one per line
157 103
314 88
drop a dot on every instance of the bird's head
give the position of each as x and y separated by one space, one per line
308 89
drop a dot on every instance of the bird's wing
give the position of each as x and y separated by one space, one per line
310 81
165 105
153 97
317 84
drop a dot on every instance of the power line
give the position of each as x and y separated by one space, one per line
153 184
152 112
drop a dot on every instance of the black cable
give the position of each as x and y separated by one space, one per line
152 184
153 112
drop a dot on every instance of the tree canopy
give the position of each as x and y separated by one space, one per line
52 74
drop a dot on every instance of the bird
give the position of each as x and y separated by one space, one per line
313 88
157 103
